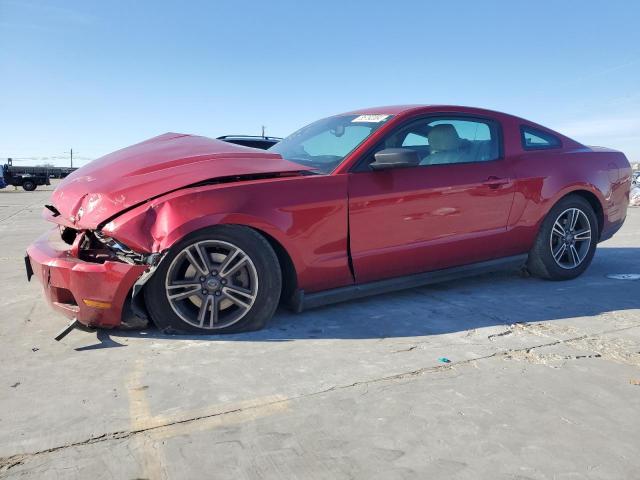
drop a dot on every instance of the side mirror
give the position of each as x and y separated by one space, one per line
395 158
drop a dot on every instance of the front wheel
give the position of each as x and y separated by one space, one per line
566 241
220 280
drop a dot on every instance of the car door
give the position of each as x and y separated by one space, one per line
450 210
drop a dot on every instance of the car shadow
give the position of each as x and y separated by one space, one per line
484 301
104 341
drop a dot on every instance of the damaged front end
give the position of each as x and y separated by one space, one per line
92 278
135 313
111 235
95 246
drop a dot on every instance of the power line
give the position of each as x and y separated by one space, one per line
47 158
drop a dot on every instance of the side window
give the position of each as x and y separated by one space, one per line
533 139
415 140
445 140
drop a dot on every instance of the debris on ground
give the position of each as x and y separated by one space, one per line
624 276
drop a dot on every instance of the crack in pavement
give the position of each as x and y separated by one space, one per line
6 463
413 347
9 217
615 350
501 334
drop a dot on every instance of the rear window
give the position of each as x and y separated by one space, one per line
534 139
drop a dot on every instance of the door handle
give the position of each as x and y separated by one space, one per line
495 182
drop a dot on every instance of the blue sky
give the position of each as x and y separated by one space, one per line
97 76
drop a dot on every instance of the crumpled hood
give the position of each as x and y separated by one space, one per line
127 177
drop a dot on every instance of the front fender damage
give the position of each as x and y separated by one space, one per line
142 229
155 224
152 228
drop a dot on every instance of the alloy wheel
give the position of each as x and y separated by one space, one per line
211 284
570 238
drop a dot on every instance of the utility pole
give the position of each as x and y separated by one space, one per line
263 128
71 153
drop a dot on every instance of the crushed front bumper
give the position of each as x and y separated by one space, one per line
93 293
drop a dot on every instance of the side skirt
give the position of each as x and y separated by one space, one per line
304 301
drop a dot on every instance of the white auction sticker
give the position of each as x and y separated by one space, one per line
370 118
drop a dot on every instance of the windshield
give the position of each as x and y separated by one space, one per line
324 144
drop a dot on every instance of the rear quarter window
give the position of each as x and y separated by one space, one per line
534 139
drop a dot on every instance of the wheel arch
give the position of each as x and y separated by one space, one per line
593 200
539 262
287 265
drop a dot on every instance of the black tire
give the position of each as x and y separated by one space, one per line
542 263
265 268
29 186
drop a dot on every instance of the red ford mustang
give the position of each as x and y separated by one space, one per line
205 236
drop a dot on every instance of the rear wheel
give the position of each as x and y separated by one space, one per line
220 280
566 241
29 186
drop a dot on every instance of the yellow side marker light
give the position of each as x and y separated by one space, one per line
96 304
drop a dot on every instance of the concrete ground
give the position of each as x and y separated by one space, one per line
543 382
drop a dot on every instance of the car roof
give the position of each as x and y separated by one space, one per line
412 108
388 109
402 110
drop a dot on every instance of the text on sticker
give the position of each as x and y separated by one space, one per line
370 118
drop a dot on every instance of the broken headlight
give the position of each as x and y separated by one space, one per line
94 246
119 249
